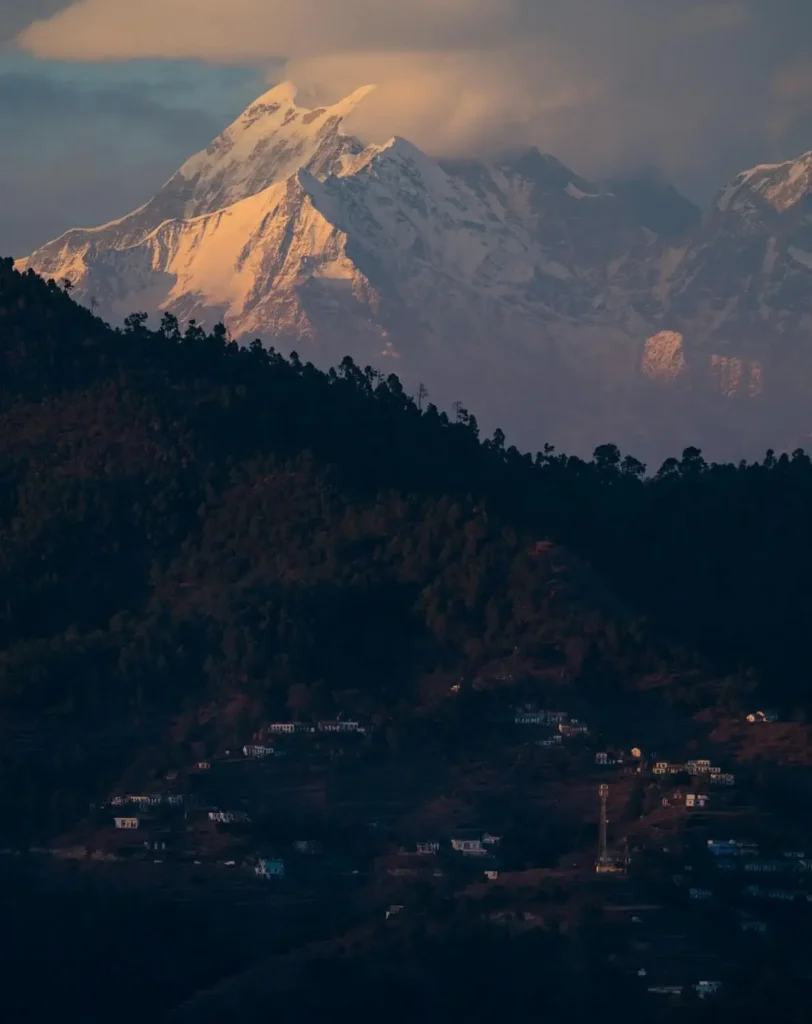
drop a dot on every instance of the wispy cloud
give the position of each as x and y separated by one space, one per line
689 86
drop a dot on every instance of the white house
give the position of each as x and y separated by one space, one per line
340 725
540 717
469 847
530 718
765 866
257 750
127 822
228 817
428 848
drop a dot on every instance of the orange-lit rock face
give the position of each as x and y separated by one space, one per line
735 377
664 357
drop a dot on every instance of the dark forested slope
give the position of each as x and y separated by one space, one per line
182 519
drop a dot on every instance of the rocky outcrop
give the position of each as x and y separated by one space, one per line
664 358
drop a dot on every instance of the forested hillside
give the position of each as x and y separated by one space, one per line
183 520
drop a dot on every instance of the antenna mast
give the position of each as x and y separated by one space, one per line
603 791
605 862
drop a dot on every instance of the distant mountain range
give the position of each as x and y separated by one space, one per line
562 309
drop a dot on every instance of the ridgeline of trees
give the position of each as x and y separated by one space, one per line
182 519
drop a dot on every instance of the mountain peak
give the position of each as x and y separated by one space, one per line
346 106
270 141
282 92
780 185
544 171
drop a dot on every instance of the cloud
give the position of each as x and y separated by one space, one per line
697 88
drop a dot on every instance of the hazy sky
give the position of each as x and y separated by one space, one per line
100 100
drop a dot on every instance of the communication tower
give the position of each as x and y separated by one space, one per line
604 862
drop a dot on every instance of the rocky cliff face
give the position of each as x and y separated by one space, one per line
542 298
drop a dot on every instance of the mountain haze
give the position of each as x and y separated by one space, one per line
566 310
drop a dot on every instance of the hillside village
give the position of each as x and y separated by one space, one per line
676 873
301 674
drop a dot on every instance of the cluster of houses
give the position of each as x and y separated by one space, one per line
565 726
732 848
338 725
341 726
693 800
737 855
148 800
700 767
143 802
609 757
703 989
604 757
257 750
742 855
531 716
469 844
785 895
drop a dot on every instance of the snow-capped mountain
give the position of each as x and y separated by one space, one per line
738 287
287 227
511 283
269 142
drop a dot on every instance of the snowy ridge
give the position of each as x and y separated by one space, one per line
268 143
289 230
780 185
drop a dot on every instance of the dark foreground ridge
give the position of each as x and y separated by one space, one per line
197 538
125 453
